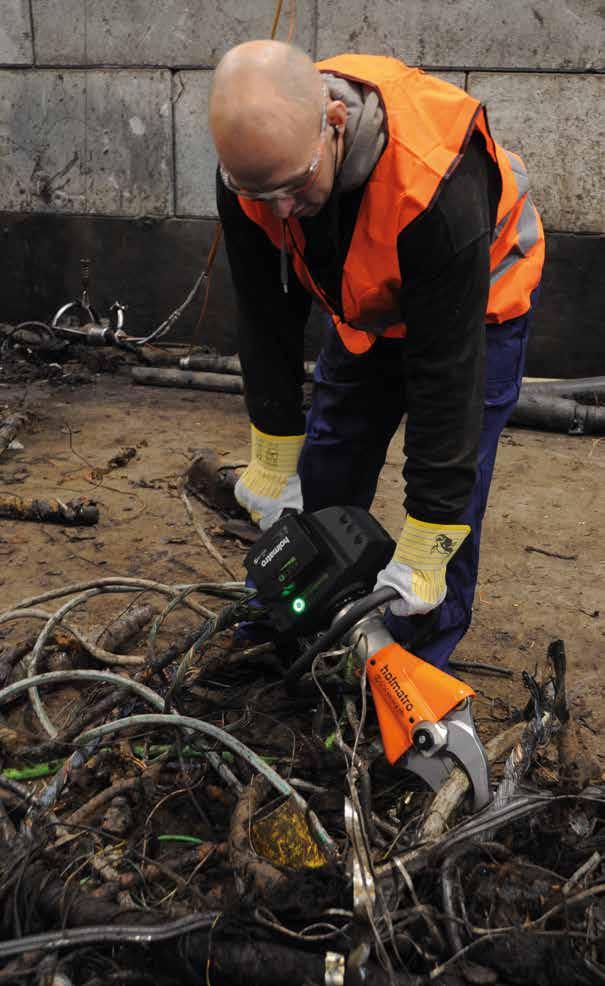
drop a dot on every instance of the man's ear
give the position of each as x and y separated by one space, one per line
336 113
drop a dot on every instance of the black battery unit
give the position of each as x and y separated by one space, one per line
307 566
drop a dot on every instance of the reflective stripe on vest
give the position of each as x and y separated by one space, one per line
517 252
429 123
528 233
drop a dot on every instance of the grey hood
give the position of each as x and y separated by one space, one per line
364 134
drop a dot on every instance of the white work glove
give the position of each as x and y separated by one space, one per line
270 483
417 568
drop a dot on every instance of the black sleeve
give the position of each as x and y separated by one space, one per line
270 323
444 260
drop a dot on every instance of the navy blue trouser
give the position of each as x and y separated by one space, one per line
358 403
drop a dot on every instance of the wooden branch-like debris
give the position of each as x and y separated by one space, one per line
77 513
549 554
210 548
453 791
127 626
214 482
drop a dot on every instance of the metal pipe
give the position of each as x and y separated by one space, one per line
224 364
584 387
154 377
552 413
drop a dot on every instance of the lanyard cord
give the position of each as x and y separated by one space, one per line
283 258
328 301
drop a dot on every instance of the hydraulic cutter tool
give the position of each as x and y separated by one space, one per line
314 574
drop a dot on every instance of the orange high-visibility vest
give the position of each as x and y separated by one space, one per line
428 126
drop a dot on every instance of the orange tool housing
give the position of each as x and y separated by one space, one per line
400 684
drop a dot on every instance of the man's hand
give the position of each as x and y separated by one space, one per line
270 483
417 569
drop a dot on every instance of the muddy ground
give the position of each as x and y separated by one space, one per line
546 501
132 817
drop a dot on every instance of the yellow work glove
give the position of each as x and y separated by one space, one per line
417 568
270 482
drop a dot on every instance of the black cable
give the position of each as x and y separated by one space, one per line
100 934
33 326
356 612
225 618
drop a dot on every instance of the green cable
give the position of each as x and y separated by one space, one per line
35 772
40 770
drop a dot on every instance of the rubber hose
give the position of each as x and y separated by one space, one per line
356 612
586 389
551 413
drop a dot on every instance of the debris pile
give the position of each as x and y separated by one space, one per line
170 813
34 351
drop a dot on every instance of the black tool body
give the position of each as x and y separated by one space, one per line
306 567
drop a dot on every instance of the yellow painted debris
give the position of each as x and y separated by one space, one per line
283 837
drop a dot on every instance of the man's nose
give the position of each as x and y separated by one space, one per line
282 207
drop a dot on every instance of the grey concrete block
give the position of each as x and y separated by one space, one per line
129 143
42 141
60 40
15 33
195 155
455 78
157 32
78 141
468 33
556 123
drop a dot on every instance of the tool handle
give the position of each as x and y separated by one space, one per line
338 629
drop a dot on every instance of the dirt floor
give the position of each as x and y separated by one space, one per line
543 553
140 831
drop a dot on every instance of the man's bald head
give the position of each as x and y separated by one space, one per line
265 109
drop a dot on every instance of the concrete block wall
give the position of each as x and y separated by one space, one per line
104 146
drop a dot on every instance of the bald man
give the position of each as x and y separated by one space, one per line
379 192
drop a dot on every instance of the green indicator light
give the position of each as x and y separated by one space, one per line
299 605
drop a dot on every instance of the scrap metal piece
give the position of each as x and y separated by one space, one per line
364 891
117 316
334 974
81 305
97 335
72 306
